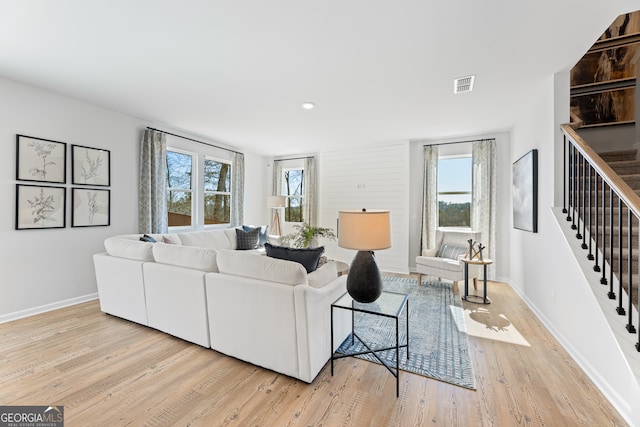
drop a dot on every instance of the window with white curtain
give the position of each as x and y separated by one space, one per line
454 191
197 199
293 190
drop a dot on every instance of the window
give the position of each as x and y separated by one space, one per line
199 190
454 192
293 189
180 190
217 192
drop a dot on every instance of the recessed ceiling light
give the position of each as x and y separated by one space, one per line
308 105
463 84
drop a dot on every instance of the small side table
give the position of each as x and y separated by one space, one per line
389 304
475 298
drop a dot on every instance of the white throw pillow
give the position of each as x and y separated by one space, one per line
218 239
323 275
186 256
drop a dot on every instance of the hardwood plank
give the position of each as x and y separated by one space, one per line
108 371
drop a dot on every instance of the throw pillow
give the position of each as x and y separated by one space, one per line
247 239
451 251
263 236
307 257
147 238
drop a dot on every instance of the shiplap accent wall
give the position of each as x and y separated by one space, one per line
372 178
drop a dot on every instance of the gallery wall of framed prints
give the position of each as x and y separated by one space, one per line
41 190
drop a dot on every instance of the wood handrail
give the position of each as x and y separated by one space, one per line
621 188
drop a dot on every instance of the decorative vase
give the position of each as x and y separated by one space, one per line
364 282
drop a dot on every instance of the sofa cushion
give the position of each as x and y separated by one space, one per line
246 240
253 266
441 263
217 239
129 247
307 257
193 257
452 251
323 275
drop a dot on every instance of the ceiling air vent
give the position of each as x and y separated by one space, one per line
463 84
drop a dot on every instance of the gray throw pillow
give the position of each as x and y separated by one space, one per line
247 239
451 251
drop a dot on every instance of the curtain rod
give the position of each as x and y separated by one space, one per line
194 140
459 142
295 158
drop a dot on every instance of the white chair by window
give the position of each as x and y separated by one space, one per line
443 261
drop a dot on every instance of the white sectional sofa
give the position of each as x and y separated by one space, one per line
198 287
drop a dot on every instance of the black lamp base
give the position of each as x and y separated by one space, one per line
364 282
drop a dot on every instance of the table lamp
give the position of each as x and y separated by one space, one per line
275 203
364 231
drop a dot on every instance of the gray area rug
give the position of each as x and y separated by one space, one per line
438 342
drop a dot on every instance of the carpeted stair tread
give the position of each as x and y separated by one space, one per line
612 156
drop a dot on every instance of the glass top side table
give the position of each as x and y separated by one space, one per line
389 304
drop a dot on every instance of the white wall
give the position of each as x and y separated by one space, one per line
46 269
542 267
42 267
373 177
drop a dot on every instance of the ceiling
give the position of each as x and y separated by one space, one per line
237 71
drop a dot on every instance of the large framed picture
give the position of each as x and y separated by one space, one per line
40 206
90 166
525 192
91 207
40 160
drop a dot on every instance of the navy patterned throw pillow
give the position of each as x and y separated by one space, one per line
247 239
263 236
147 238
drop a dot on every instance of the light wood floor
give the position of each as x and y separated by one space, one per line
110 372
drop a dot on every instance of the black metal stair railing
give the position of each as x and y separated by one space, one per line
594 196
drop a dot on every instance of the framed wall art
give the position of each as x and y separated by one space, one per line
40 160
525 192
40 206
90 166
91 207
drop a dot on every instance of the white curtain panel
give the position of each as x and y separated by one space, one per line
429 198
237 190
310 191
152 202
483 206
277 178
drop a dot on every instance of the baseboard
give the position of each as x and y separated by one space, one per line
47 307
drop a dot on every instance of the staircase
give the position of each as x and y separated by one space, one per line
601 197
625 165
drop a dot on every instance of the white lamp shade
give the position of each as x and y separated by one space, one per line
276 201
364 230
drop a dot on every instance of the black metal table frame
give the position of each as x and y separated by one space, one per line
466 296
397 347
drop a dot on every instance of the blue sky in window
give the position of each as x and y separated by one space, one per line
454 175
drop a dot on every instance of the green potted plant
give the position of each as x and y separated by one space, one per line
307 235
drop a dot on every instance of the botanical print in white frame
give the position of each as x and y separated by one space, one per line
40 160
40 207
90 166
90 207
